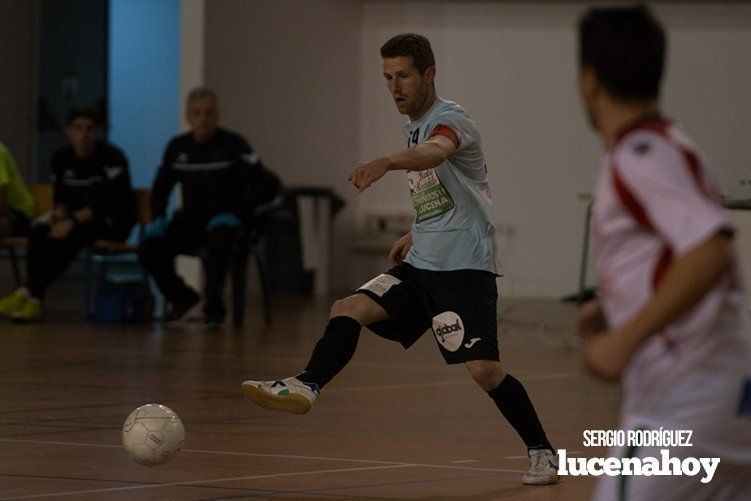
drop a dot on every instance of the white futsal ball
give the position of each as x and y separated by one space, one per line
152 434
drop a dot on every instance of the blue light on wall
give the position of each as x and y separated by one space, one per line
144 79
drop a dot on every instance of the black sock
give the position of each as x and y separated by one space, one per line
512 400
332 352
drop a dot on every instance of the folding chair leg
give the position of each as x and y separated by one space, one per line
96 269
264 289
239 283
89 278
14 265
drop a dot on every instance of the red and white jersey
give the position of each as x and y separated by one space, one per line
654 201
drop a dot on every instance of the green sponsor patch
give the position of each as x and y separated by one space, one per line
431 202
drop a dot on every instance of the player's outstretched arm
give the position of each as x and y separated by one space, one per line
400 249
423 156
684 284
590 319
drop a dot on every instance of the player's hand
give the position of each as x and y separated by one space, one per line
368 173
400 249
607 355
61 229
590 319
83 215
58 213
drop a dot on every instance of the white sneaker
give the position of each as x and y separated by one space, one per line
543 468
287 395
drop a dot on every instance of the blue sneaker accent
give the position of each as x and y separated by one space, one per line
313 387
284 391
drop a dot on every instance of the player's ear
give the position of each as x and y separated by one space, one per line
588 82
429 74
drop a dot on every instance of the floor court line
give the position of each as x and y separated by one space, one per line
207 481
280 456
381 465
384 484
330 490
273 475
531 377
203 451
269 455
468 381
275 493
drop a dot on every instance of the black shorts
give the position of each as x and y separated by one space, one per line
459 307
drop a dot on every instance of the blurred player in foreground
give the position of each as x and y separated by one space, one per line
671 320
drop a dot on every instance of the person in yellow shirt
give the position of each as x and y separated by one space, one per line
16 203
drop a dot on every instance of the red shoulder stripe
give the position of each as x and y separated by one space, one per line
447 132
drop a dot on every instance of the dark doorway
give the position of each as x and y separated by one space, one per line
72 69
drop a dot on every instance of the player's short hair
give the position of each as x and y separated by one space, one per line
410 44
84 112
202 93
625 46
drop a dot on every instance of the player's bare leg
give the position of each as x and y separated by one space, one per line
512 400
330 355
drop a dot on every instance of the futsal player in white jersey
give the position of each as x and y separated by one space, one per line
671 319
444 278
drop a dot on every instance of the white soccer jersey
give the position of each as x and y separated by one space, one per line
653 202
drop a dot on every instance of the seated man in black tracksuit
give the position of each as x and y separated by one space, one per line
93 200
213 166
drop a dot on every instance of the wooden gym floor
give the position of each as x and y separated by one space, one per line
395 424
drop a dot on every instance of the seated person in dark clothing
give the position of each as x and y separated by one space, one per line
93 200
213 166
16 203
